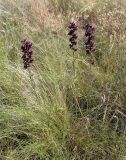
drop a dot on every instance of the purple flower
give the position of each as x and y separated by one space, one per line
90 38
26 47
73 36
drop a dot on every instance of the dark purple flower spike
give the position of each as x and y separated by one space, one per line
26 47
90 38
73 36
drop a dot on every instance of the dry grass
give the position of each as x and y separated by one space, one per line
44 16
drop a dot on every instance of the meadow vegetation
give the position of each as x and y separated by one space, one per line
54 110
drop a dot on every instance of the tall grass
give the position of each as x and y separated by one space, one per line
45 112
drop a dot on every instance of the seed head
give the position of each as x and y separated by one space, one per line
90 38
26 47
73 36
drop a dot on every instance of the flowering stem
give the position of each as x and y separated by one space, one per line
33 83
74 69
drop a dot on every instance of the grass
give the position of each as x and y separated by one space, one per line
47 112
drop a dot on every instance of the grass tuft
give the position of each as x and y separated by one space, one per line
47 112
